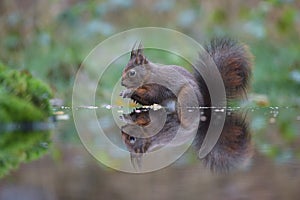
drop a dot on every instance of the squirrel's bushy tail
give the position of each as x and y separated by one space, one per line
234 62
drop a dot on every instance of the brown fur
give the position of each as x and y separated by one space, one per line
234 63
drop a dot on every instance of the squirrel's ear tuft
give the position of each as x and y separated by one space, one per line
140 49
133 52
138 55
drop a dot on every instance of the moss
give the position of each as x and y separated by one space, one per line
14 109
23 99
21 147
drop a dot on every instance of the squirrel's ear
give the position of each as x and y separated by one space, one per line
140 59
133 51
137 55
140 49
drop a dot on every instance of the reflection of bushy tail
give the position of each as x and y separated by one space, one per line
234 63
233 149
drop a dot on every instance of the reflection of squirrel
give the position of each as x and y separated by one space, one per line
232 151
233 61
156 138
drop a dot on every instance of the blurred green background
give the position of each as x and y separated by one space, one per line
50 38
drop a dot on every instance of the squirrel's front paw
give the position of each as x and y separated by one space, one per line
126 93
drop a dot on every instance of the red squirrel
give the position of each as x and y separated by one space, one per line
233 60
149 83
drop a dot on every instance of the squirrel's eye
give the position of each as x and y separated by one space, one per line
131 73
132 139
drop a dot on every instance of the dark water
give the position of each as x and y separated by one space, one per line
68 171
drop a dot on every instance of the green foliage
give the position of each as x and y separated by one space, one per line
286 21
23 97
14 109
18 147
23 100
273 74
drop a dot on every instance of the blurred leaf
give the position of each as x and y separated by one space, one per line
163 6
121 3
255 28
219 16
295 75
12 42
287 19
97 26
13 19
187 18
